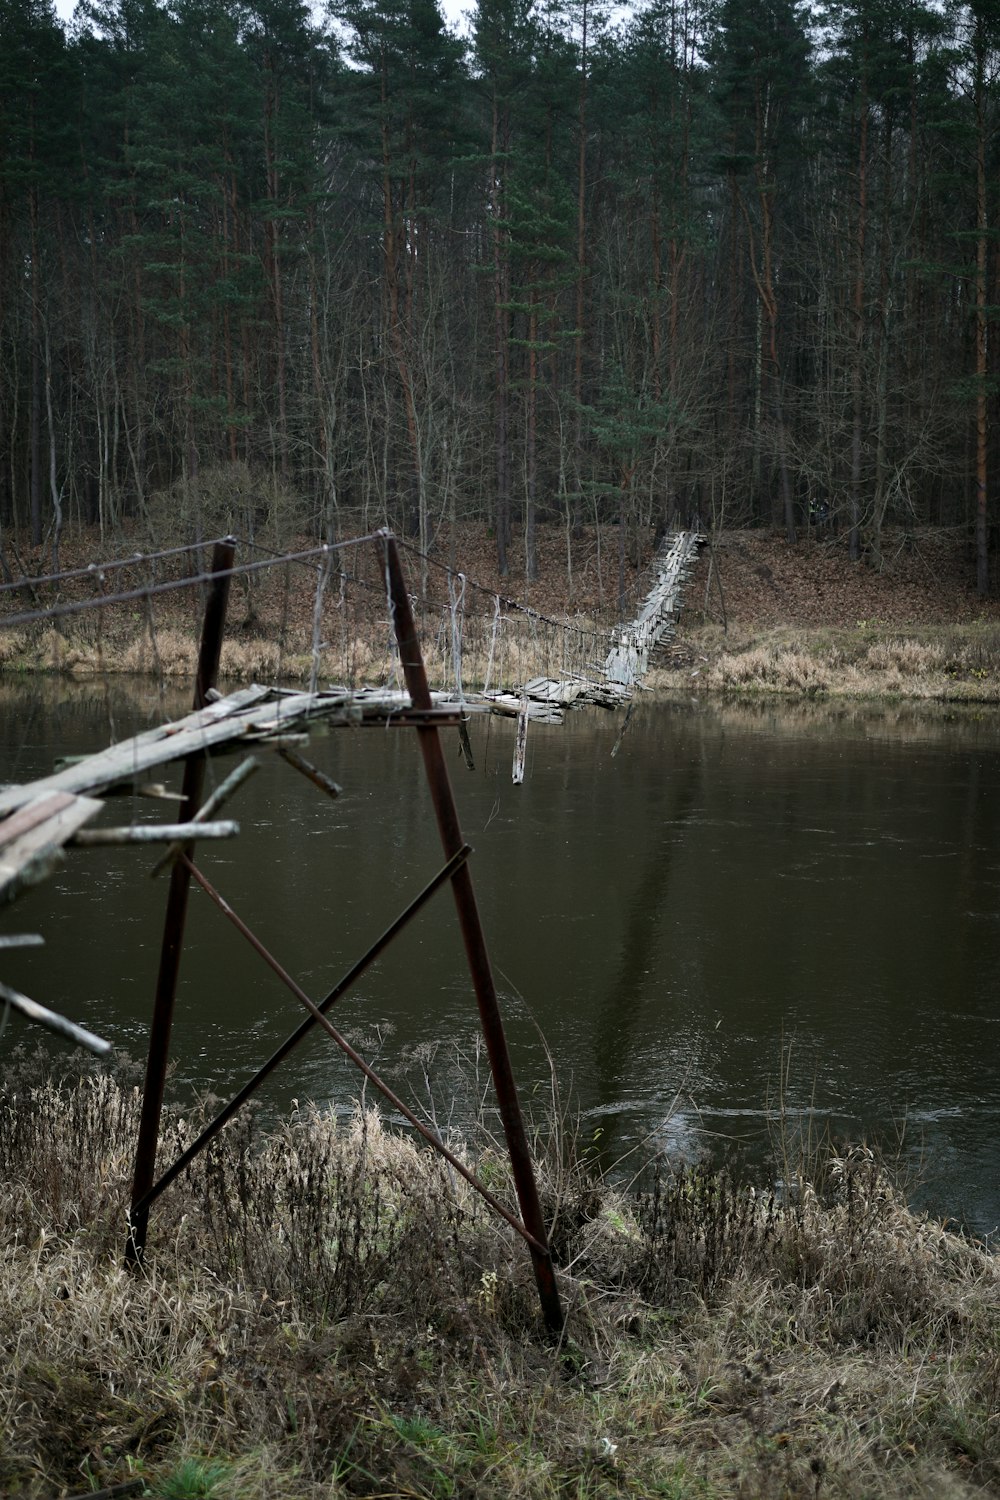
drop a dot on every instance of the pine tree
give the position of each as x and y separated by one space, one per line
404 104
504 39
660 118
761 62
36 76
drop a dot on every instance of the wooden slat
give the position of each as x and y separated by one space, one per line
53 1021
153 833
520 744
29 817
510 706
219 708
212 713
30 856
124 761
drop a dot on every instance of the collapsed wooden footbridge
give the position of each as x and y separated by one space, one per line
41 819
635 648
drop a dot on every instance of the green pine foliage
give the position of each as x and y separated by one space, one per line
720 259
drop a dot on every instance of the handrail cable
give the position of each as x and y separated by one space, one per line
59 611
95 569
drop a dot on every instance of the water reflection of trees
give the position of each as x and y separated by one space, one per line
922 722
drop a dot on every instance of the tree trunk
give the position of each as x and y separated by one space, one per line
858 312
982 229
531 455
501 300
35 437
581 265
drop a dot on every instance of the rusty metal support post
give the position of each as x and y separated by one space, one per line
212 631
452 841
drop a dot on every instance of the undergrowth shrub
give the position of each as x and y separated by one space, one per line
698 1228
773 667
66 1147
336 1217
326 1309
910 658
841 1242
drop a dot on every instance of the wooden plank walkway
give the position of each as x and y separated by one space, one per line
39 818
640 644
247 717
635 647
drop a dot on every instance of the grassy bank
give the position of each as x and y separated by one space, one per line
325 1312
956 663
801 620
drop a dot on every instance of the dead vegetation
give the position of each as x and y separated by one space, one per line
761 617
947 663
325 1311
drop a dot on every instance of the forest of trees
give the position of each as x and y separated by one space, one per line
724 260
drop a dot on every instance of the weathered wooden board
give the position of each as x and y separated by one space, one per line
53 1021
548 690
509 706
252 713
153 833
520 743
124 761
31 841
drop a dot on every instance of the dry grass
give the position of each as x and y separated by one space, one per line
325 1312
945 663
959 663
779 597
773 668
351 652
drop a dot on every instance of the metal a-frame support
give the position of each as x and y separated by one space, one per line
455 871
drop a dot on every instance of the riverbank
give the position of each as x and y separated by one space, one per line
948 663
803 621
325 1313
761 617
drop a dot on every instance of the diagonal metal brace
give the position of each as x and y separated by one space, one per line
359 1062
353 974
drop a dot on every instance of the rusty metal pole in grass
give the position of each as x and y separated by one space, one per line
472 935
212 631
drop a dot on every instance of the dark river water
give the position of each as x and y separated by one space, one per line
747 908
